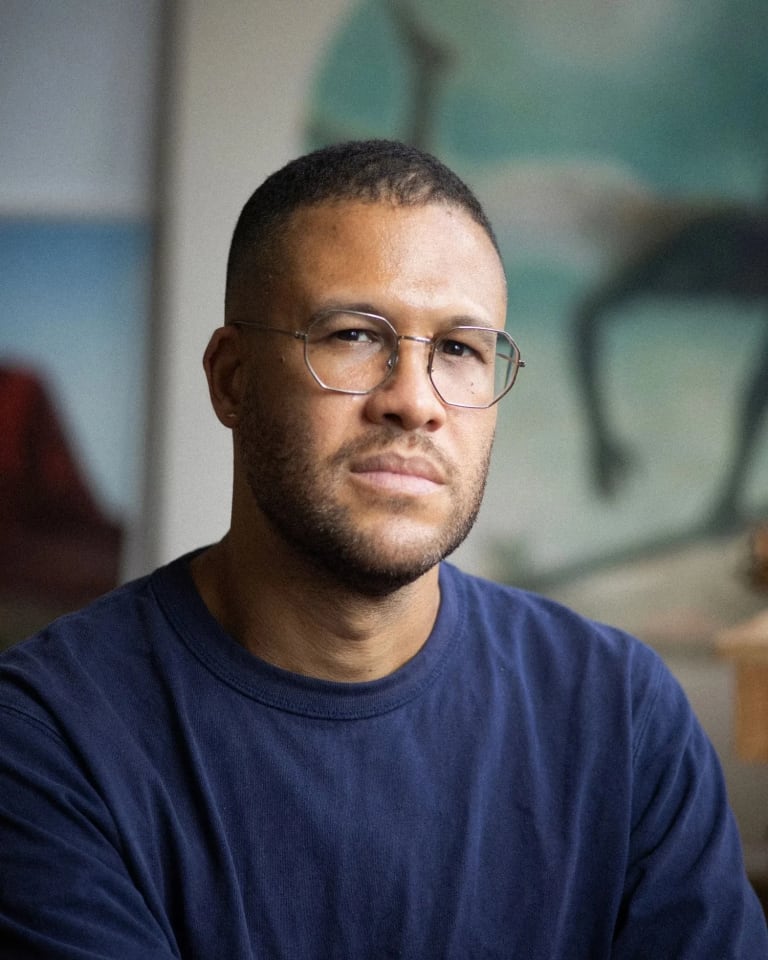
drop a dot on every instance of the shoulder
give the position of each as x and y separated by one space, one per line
111 613
89 655
530 625
581 668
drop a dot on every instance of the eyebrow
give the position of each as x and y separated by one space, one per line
370 308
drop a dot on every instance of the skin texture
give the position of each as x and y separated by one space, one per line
343 505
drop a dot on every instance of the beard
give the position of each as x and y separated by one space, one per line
296 493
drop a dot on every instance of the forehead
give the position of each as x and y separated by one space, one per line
425 257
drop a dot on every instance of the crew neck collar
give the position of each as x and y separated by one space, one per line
281 689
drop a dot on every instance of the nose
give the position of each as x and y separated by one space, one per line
408 398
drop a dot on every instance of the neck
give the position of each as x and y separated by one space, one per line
302 621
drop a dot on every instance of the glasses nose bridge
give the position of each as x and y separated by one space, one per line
399 337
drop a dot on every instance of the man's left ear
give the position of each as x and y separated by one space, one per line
223 364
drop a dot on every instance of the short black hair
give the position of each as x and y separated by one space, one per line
362 170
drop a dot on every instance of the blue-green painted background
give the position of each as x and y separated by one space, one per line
586 127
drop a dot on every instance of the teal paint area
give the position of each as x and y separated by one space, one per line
621 152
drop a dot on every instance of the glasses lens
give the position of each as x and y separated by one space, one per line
474 366
349 351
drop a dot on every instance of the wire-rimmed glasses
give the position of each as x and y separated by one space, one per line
349 351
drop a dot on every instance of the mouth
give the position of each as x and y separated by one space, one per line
397 474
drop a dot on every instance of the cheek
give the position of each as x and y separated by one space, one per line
473 455
314 423
476 436
334 422
280 386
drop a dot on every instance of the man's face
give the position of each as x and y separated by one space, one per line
376 489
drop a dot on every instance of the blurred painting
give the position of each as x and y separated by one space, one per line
73 309
76 228
621 150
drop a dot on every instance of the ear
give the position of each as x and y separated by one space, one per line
223 362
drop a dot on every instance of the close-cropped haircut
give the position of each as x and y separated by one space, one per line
360 170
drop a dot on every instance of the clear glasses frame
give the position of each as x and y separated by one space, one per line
514 360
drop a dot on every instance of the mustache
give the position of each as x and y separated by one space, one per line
393 441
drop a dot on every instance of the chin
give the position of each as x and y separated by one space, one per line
375 555
381 581
377 569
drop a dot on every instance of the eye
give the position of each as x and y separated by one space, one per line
476 344
452 348
356 335
338 330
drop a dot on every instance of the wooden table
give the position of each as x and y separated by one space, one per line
747 645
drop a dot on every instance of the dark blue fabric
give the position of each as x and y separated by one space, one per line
531 785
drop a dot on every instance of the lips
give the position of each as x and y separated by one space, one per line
394 464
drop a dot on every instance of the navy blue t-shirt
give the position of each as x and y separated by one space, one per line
531 785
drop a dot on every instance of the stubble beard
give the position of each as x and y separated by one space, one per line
296 496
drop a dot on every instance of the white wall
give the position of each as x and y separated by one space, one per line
77 80
243 70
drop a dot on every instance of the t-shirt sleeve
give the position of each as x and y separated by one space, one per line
66 889
686 892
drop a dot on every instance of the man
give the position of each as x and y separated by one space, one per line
314 739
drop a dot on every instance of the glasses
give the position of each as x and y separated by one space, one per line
348 351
